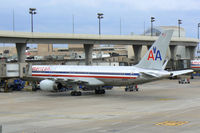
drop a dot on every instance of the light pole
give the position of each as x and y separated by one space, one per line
120 26
179 23
198 36
152 20
13 20
73 23
100 16
32 11
198 30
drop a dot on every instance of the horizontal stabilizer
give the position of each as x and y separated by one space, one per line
181 72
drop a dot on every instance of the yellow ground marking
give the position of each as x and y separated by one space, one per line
166 99
28 88
171 123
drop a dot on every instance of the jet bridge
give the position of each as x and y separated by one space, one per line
12 71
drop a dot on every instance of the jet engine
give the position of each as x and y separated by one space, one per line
50 85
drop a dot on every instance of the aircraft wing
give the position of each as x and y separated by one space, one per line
83 81
181 72
70 80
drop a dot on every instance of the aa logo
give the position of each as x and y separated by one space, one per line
154 55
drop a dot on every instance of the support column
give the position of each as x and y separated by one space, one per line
137 52
88 53
21 49
173 49
0 128
190 50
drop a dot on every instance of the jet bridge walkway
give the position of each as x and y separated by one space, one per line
12 71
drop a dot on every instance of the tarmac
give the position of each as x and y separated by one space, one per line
159 107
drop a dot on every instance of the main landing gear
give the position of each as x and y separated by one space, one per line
131 88
100 91
75 91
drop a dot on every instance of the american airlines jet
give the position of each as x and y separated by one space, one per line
150 68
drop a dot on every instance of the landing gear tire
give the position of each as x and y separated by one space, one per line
76 93
100 91
103 91
97 91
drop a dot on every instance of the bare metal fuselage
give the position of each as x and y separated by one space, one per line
107 75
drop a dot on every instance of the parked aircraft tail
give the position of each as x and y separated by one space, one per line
155 57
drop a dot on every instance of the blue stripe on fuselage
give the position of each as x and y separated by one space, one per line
98 73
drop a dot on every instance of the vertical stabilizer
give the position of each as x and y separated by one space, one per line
155 57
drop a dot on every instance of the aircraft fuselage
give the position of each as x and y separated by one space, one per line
108 75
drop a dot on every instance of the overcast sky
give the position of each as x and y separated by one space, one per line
56 15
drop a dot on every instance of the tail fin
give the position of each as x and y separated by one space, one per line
155 57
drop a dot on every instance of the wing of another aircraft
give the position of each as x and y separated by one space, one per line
180 72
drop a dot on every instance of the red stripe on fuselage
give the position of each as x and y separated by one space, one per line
195 67
85 76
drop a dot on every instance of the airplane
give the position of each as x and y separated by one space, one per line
150 68
195 64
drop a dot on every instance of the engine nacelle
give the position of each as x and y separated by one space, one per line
49 85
